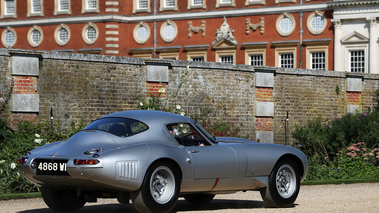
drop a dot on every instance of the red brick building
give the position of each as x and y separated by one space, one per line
286 33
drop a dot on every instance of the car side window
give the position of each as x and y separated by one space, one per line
186 134
121 127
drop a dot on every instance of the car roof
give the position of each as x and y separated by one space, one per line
151 116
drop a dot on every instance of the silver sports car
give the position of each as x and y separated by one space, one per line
154 157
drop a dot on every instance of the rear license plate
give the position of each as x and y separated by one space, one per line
51 167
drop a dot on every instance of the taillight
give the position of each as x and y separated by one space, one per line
21 160
86 161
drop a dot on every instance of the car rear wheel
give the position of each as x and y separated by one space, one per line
283 185
62 200
160 189
199 198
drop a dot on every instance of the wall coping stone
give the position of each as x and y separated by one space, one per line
93 58
180 63
4 52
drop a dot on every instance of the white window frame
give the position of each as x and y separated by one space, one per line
348 51
142 55
84 33
284 50
278 28
228 52
135 32
56 34
191 5
85 8
31 11
257 51
284 1
313 49
30 34
196 54
309 22
163 7
255 2
5 44
169 55
226 62
4 13
136 9
219 4
281 58
58 11
168 22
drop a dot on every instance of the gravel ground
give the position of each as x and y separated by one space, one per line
323 198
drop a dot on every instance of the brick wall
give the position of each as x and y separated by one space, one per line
77 86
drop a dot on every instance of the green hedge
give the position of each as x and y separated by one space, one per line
14 144
344 148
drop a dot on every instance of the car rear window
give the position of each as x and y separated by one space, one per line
122 127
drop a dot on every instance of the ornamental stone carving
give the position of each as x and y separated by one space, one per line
196 29
225 32
249 26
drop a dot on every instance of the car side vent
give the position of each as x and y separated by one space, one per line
127 169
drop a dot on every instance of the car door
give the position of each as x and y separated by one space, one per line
208 160
212 161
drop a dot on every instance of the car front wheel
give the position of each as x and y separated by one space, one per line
160 189
283 185
62 200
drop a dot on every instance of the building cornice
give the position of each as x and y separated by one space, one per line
163 17
351 3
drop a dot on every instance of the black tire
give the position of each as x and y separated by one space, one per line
160 189
283 185
62 200
199 198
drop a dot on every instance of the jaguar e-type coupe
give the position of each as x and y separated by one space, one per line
152 158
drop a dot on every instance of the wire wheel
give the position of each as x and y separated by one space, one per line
286 181
283 185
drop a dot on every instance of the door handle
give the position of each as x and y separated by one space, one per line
194 151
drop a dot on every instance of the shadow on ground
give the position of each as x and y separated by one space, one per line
216 204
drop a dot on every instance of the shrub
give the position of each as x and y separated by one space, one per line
354 162
319 138
16 143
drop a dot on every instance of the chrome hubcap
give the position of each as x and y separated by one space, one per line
286 181
162 185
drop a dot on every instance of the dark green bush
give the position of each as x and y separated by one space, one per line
15 144
354 162
326 139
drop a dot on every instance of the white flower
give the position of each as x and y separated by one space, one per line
37 135
140 103
38 141
176 132
183 113
1 171
2 161
13 165
178 107
162 90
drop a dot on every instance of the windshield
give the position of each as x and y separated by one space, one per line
202 130
122 127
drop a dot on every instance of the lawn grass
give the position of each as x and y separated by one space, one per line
339 181
20 195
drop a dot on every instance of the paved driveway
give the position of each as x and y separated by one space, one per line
325 198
